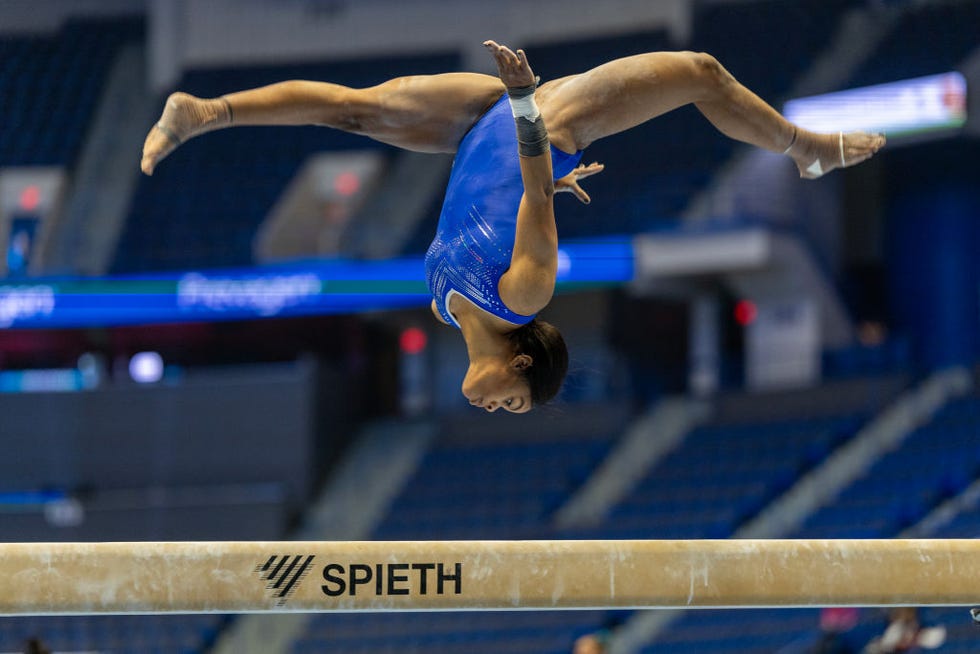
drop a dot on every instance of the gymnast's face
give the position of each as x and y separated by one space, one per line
498 384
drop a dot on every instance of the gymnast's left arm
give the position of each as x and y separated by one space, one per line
529 283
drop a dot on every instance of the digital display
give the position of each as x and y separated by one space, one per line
907 107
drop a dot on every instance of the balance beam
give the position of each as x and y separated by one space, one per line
266 577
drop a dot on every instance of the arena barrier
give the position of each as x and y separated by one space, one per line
251 577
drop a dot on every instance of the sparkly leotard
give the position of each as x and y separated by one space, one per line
475 238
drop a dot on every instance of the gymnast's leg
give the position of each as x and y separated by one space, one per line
426 113
626 92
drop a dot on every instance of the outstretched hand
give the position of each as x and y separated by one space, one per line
513 68
569 183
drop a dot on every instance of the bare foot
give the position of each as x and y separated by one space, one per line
818 154
184 117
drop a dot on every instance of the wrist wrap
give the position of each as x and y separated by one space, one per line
532 136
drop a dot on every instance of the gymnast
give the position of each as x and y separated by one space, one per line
491 267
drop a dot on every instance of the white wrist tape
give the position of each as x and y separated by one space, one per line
525 107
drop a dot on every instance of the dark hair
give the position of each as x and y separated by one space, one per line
544 344
35 646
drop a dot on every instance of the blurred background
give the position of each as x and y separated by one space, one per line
240 348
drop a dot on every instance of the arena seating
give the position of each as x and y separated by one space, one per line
785 37
44 123
961 632
502 490
928 39
722 475
466 487
481 483
148 634
899 490
546 632
936 462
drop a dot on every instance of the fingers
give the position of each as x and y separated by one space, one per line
570 186
581 194
507 58
569 183
512 67
502 53
593 168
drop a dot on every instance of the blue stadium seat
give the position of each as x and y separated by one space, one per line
49 87
899 490
119 634
929 38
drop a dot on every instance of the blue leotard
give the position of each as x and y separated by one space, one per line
475 238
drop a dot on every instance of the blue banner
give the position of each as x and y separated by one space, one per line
306 288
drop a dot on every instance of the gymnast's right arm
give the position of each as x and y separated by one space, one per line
529 283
